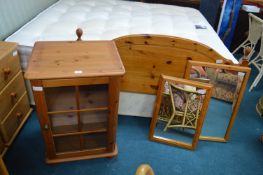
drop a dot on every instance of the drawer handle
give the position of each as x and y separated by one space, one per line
7 72
13 96
19 115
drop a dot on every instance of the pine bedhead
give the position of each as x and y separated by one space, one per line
146 57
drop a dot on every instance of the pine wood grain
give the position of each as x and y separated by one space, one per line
10 94
9 63
50 60
146 57
90 95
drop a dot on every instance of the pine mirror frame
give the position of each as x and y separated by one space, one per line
236 106
162 80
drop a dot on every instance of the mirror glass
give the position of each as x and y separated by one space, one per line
227 84
179 111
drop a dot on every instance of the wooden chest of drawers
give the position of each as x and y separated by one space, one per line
15 107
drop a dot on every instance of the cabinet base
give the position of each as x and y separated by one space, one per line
94 156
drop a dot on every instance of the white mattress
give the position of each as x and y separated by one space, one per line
109 19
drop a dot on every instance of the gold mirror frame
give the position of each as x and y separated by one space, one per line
237 68
207 95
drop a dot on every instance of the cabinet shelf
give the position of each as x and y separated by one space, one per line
89 128
80 110
77 143
85 151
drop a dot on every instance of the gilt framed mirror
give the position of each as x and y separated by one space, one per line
229 83
179 111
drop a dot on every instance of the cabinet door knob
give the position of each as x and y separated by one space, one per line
46 127
7 72
19 115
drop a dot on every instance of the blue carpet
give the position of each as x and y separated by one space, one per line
216 120
243 154
180 134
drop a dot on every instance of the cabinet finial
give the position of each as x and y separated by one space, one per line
79 33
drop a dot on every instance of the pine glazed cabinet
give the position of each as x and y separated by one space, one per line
76 88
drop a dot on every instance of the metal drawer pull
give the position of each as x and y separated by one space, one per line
7 72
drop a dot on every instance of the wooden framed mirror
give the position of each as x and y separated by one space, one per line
179 111
229 83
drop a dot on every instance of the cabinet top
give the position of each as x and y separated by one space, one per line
74 59
6 48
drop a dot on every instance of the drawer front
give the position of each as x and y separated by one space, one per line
13 120
11 94
9 66
2 145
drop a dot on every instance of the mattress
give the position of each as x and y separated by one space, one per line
110 19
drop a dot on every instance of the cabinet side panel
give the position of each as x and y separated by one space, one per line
114 91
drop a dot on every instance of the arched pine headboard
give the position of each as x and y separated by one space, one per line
146 57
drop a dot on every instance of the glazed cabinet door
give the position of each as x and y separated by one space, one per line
77 119
78 116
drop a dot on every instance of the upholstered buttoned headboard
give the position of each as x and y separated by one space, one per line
15 13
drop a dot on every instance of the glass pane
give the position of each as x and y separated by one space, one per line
60 98
67 143
97 140
227 84
64 123
179 112
216 121
94 121
93 96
